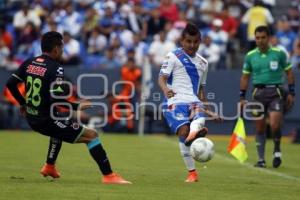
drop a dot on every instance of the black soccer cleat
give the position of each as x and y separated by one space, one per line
277 159
201 133
261 164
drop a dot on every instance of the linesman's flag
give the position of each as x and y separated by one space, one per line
237 145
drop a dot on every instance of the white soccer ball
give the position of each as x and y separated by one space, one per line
202 149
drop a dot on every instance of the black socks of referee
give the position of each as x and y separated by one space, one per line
53 150
99 155
276 139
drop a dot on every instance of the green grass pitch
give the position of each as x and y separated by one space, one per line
152 163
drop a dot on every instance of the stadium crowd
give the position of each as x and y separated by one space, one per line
101 34
112 34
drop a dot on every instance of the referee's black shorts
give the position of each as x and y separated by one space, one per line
65 130
272 98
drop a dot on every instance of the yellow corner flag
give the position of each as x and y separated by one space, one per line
237 145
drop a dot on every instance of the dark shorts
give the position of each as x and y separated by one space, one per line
65 130
272 99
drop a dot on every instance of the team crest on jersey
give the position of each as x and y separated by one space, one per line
273 65
179 116
75 126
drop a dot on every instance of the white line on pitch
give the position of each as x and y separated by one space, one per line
248 165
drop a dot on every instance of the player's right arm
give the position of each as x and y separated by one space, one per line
12 84
247 69
165 72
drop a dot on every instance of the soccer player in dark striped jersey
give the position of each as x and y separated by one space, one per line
43 77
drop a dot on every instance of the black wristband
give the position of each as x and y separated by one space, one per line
242 94
292 89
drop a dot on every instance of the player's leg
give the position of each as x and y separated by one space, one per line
197 129
276 109
90 138
49 168
189 162
260 139
275 124
259 96
177 117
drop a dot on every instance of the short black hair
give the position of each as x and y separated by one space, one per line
50 40
190 29
263 29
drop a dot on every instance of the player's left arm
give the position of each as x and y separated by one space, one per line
291 86
290 79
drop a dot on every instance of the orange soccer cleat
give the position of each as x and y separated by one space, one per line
192 177
50 170
114 178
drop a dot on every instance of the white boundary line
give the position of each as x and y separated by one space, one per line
249 166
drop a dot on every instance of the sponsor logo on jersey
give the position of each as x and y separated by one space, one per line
60 124
32 69
60 71
40 60
274 65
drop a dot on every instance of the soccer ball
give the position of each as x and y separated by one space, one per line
202 149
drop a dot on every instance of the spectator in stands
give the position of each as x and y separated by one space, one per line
58 12
35 49
106 21
209 9
4 54
295 59
109 60
154 24
159 48
133 16
293 15
91 20
168 10
236 8
140 49
6 37
220 38
22 17
269 4
26 38
256 16
71 50
131 73
230 24
52 25
190 8
210 51
122 33
274 42
285 34
96 42
173 31
120 50
72 21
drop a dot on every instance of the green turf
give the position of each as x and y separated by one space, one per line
152 163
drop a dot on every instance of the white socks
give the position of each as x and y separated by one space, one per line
187 157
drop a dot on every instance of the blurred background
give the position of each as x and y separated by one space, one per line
128 39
